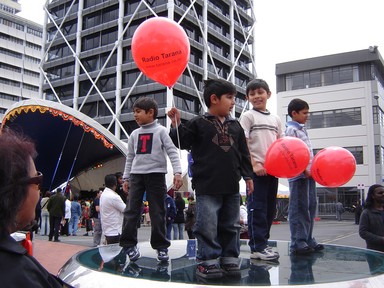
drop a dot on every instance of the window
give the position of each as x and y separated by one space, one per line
334 118
357 152
324 77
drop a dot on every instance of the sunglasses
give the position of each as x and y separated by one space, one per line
38 180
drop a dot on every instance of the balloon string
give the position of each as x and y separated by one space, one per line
177 126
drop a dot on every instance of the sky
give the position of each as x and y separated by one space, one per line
288 30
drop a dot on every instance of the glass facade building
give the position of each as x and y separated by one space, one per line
88 62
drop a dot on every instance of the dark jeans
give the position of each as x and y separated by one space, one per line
154 185
54 224
261 206
217 226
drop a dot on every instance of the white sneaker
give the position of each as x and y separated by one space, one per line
270 249
264 255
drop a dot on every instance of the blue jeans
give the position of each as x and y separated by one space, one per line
261 206
217 226
72 228
178 231
302 212
44 229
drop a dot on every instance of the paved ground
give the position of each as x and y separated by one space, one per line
53 255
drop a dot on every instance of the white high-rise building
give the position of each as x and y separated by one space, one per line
20 54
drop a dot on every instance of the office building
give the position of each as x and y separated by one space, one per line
88 63
20 54
346 98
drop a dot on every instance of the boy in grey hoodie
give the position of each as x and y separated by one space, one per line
145 169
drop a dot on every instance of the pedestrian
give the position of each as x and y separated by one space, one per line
86 219
56 208
145 169
67 217
44 227
220 159
261 129
19 194
371 227
190 216
339 210
179 221
358 210
75 216
119 188
170 215
111 210
302 188
95 214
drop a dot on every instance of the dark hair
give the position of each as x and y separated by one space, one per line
15 153
369 202
147 103
110 180
257 84
219 87
118 174
47 193
178 195
297 105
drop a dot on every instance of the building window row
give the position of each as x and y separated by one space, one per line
101 16
10 67
32 59
31 87
9 97
323 77
10 53
11 24
357 152
12 39
35 32
334 118
9 82
8 9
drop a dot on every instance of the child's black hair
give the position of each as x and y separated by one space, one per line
218 87
257 84
296 105
146 103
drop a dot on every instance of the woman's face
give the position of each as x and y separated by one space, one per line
378 195
26 213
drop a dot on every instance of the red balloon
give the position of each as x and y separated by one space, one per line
333 166
287 157
160 48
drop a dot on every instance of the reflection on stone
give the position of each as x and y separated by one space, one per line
333 264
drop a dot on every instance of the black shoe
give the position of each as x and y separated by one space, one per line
231 269
318 247
212 271
86 234
56 240
303 251
133 253
49 239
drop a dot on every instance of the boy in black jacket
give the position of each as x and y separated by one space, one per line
221 157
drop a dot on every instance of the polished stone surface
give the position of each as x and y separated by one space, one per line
335 266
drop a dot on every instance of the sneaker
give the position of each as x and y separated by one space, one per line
270 249
133 270
264 255
212 271
162 255
133 253
231 269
